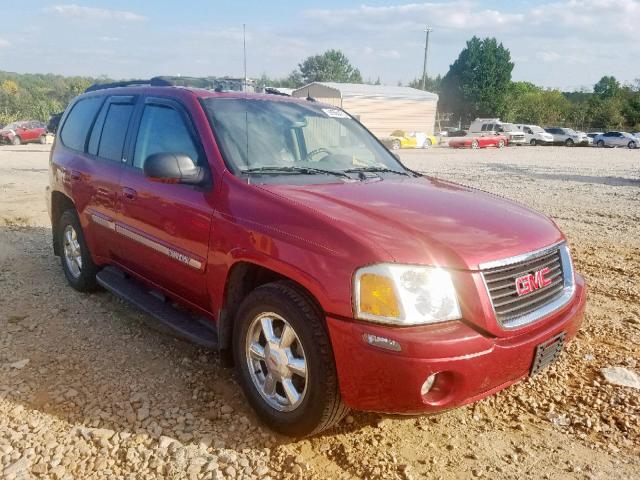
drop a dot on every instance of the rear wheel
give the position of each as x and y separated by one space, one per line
568 142
395 145
534 142
475 144
501 144
16 140
600 143
285 362
632 144
42 139
427 143
76 260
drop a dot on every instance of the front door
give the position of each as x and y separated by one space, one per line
164 228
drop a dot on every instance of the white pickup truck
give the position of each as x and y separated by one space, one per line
491 126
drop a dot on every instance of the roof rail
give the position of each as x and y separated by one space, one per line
153 82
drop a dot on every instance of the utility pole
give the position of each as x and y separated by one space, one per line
428 30
244 53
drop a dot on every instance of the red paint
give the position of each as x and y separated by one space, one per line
318 235
27 132
483 141
532 282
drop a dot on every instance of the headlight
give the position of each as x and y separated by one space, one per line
404 295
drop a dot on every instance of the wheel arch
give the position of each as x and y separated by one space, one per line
243 277
59 204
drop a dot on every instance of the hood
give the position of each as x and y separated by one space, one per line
425 220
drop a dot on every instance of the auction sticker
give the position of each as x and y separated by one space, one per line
335 113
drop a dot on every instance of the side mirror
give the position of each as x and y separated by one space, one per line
173 168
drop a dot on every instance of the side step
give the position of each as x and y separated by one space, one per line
179 322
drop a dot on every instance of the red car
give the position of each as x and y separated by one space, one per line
282 233
24 132
499 141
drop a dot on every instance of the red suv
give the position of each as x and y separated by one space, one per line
24 132
284 234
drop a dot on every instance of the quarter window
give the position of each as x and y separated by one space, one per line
163 130
78 123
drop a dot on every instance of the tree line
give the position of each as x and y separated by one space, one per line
478 84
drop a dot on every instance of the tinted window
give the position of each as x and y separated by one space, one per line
114 131
484 128
78 123
162 129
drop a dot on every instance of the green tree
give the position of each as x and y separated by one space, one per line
477 82
432 84
607 87
331 66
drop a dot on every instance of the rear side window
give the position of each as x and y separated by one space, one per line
76 127
163 130
114 131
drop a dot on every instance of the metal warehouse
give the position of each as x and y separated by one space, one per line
382 109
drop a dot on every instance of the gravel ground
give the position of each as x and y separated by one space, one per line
89 390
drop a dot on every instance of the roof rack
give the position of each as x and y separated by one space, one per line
153 82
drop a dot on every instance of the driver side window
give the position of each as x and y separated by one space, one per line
162 129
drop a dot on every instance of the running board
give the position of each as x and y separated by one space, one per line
179 322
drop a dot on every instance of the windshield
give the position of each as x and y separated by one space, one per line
265 135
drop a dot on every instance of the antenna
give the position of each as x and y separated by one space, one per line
244 48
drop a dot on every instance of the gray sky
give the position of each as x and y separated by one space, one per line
566 44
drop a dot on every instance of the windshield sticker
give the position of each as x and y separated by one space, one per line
335 113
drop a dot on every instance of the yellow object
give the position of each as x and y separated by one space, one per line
377 296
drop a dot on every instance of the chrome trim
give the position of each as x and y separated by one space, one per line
147 242
519 258
105 222
549 308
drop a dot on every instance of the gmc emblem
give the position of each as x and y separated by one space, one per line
532 282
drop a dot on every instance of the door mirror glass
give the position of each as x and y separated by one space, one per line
173 168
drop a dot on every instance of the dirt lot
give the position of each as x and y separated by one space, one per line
89 390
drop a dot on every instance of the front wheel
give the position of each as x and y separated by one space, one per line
42 139
501 144
427 143
632 144
475 144
16 140
395 145
568 142
76 260
285 361
600 144
534 142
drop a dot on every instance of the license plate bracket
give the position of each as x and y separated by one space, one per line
547 353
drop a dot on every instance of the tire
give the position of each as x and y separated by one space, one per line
75 256
475 144
42 139
534 142
632 144
395 145
16 140
319 404
600 144
501 144
427 143
568 142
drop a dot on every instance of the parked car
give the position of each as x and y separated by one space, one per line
593 135
492 126
475 142
281 232
617 139
585 136
636 134
24 132
566 136
401 139
54 120
535 135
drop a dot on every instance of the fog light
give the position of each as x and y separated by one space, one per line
428 383
382 342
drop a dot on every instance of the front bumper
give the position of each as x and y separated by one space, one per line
470 365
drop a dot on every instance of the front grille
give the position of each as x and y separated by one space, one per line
510 307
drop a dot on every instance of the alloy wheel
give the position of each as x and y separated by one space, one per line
276 361
72 251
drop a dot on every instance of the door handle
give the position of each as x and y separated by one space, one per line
74 175
129 193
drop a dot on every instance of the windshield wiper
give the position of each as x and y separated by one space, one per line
292 169
376 170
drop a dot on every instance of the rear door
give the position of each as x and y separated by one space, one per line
105 150
165 228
